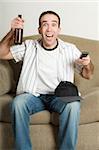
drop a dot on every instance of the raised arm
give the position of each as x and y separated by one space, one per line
5 44
8 40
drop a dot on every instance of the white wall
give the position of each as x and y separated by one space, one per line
1 27
77 18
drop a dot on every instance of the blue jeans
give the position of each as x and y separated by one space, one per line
26 104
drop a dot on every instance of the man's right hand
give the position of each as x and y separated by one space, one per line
6 42
17 23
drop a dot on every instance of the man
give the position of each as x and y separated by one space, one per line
46 62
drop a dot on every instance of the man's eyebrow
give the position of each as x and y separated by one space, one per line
51 21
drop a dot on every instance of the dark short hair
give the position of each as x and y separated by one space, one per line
49 12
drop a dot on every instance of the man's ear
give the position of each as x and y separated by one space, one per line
39 30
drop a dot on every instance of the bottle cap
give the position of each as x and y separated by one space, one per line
20 16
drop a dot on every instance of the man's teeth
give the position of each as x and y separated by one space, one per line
49 35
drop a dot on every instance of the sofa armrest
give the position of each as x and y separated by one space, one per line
6 77
90 107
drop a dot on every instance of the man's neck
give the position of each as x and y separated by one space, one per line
49 49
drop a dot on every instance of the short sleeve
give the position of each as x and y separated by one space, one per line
18 51
78 67
76 52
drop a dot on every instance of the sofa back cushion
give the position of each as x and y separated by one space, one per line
6 77
91 46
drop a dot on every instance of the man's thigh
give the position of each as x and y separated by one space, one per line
32 103
54 103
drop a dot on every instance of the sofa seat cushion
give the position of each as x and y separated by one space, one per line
43 137
88 136
89 107
5 101
43 117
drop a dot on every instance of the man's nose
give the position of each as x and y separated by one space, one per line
49 28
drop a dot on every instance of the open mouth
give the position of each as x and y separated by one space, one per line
49 36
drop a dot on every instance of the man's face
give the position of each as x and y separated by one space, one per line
49 30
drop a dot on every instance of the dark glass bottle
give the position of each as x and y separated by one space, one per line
18 34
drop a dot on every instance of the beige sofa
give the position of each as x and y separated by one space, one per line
43 125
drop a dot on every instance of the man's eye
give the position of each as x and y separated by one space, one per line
44 25
54 24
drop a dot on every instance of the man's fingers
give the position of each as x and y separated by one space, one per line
17 23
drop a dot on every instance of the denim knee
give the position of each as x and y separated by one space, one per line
72 108
19 103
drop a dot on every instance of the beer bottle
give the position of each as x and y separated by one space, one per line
18 34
